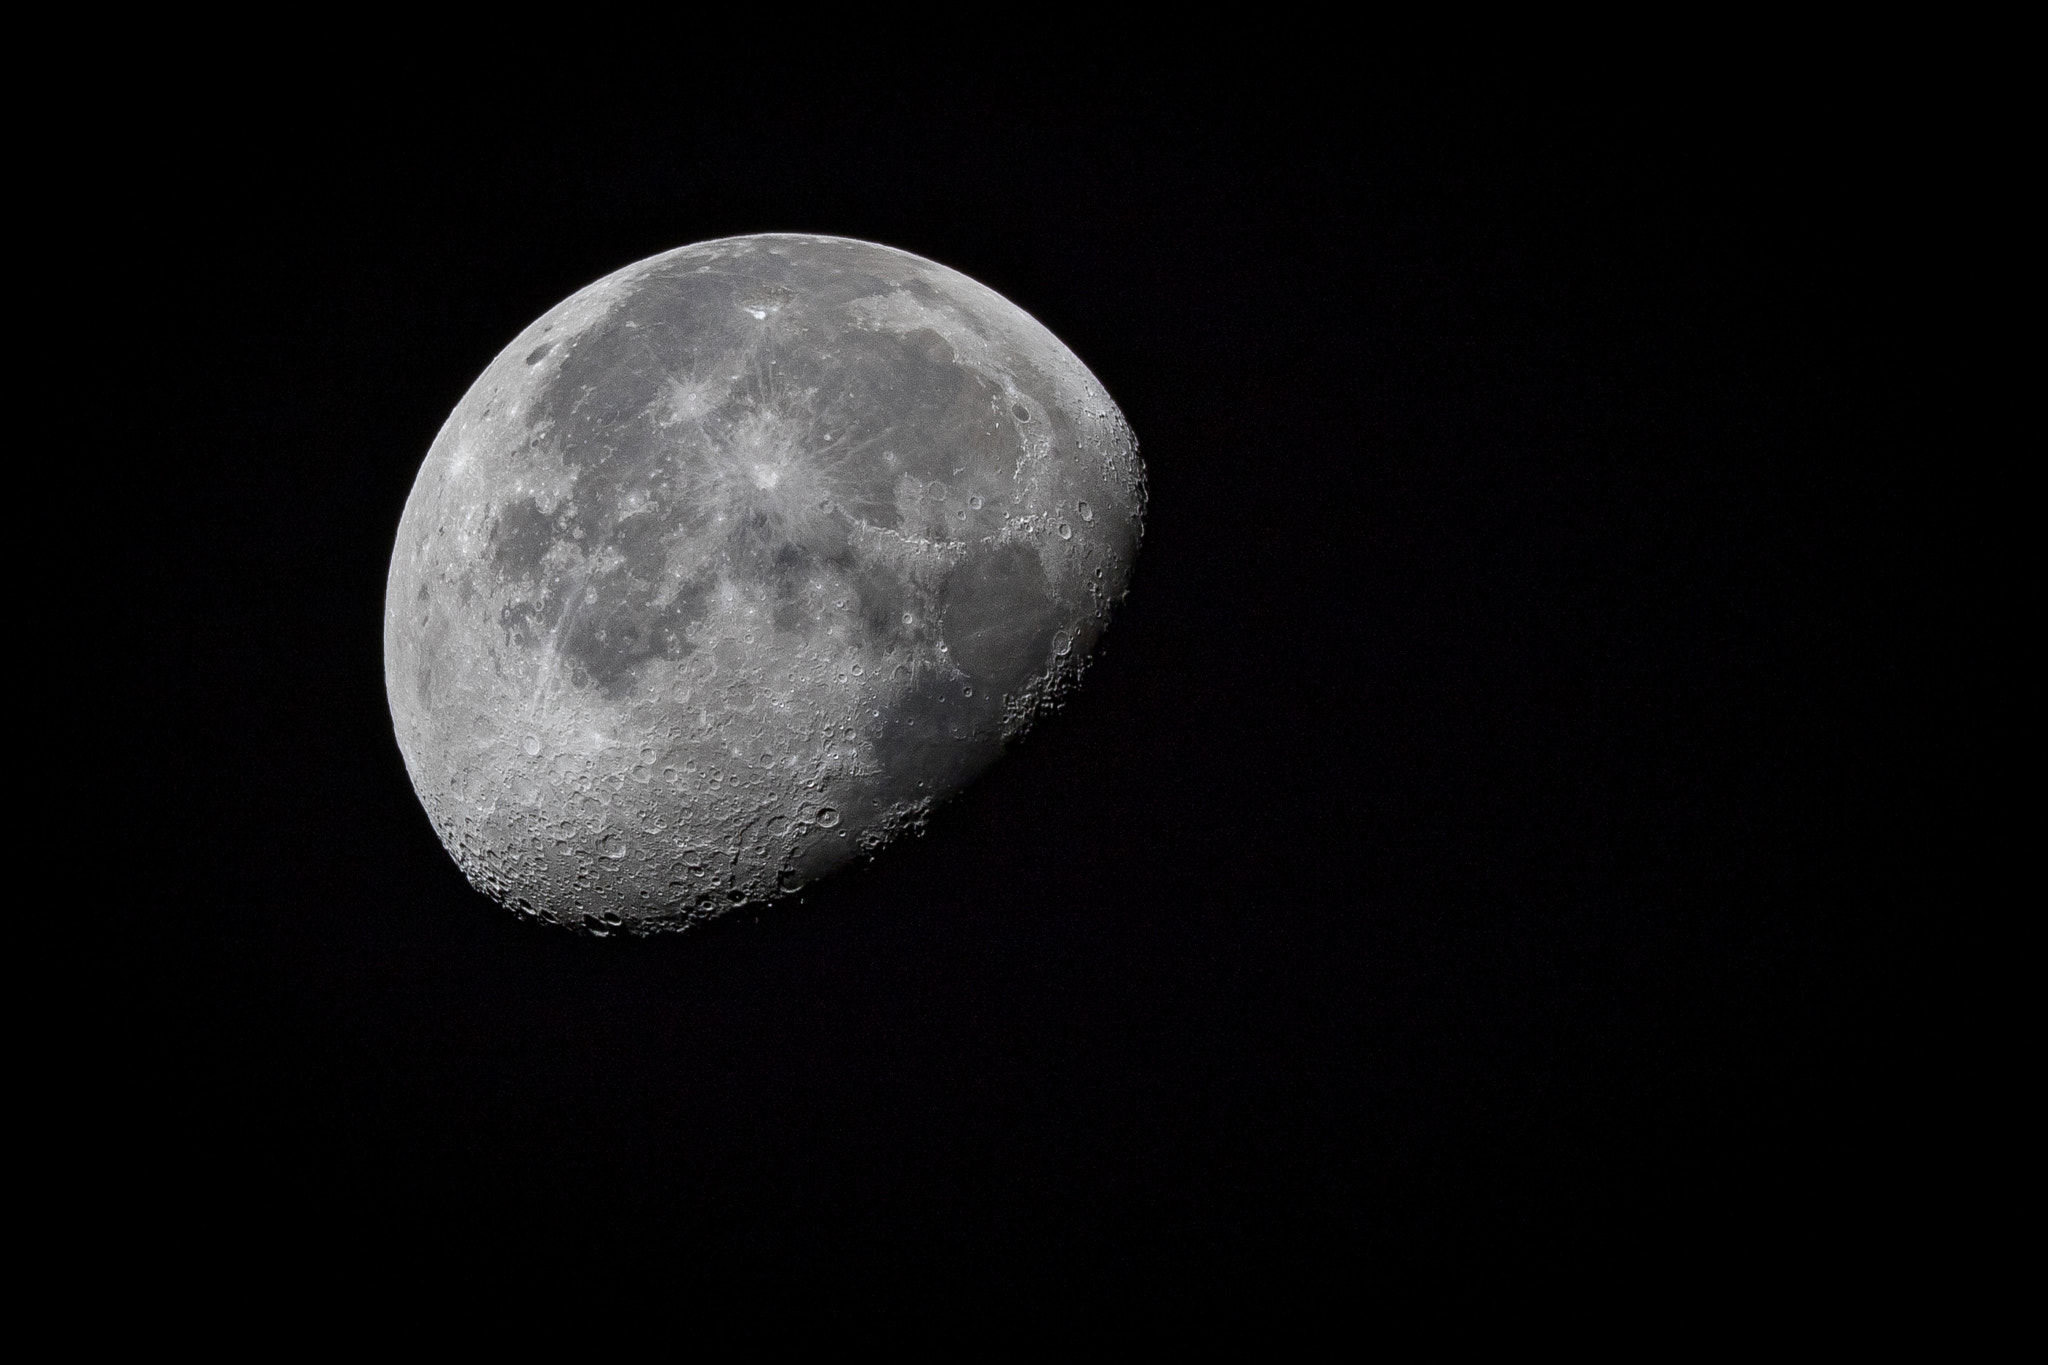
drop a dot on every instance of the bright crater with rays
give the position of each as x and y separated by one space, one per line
734 563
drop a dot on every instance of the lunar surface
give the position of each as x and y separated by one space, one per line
737 561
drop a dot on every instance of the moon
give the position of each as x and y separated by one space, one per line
734 564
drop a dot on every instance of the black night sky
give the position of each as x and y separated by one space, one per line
1489 849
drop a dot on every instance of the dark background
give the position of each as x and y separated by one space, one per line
1488 851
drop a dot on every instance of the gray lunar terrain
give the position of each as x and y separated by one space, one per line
734 563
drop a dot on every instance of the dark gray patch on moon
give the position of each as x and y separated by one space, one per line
999 614
734 563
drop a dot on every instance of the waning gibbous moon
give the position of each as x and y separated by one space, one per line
734 563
